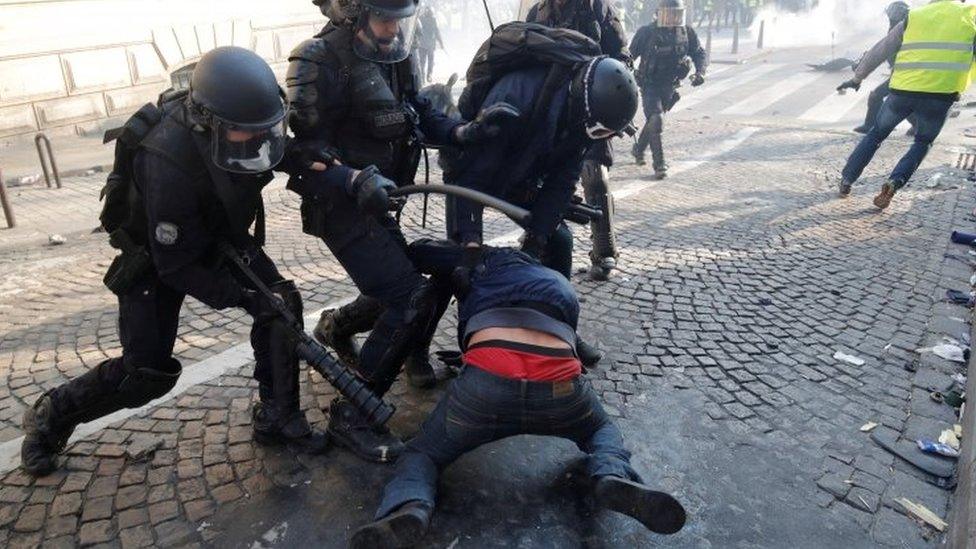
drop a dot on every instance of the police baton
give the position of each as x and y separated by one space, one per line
373 408
520 216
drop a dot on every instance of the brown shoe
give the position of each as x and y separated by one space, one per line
884 197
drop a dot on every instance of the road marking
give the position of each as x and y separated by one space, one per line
771 94
835 106
241 354
714 89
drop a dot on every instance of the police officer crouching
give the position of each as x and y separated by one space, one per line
666 49
353 89
187 182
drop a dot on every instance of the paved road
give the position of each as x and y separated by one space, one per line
741 276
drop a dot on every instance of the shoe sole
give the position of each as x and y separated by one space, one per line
657 511
395 531
880 203
342 440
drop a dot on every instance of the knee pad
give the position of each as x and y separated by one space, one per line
142 384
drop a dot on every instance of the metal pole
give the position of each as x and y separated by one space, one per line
762 33
50 158
8 212
735 33
708 43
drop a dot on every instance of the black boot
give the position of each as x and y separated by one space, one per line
43 439
657 511
336 327
657 157
420 373
349 429
402 528
273 426
588 354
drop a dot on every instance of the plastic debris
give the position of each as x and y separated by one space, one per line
923 513
949 438
56 240
960 298
957 429
949 351
867 427
933 181
850 359
932 447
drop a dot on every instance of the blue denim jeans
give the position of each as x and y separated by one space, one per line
930 115
480 407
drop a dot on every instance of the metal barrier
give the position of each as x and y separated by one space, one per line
44 161
8 212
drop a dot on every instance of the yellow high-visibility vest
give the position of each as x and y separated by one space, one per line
936 54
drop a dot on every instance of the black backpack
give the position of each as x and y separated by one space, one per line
520 45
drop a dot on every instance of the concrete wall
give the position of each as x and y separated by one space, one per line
78 66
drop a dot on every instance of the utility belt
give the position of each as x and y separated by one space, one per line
128 268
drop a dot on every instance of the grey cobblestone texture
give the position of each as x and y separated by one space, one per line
738 283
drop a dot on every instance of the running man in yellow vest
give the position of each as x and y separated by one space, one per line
933 66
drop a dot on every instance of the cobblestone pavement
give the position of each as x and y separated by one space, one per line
740 279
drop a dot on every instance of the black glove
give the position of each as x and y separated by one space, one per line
300 155
849 85
372 191
258 306
697 79
488 124
461 276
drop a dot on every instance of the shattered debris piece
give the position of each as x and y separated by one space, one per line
960 298
867 427
957 429
949 352
949 438
56 240
932 447
923 513
850 359
933 181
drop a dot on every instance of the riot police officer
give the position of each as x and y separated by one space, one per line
896 12
666 48
187 182
353 89
598 20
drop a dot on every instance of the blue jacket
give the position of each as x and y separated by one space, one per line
512 165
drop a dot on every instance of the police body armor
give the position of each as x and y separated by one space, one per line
666 59
377 126
582 20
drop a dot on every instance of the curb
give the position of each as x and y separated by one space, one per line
962 518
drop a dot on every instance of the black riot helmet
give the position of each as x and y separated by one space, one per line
671 13
384 29
234 93
897 12
607 93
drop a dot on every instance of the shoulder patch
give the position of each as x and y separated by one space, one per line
167 233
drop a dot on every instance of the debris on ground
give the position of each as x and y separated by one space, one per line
949 351
949 438
923 513
850 359
935 465
56 240
867 427
960 298
932 447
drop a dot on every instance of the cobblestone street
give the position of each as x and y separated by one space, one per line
741 277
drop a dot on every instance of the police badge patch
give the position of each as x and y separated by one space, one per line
167 233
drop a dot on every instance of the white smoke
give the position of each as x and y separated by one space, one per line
829 22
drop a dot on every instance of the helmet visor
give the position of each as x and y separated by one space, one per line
247 149
670 17
384 37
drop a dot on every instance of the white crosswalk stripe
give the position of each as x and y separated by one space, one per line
732 80
771 94
835 106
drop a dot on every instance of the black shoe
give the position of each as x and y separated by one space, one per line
588 354
863 128
42 442
420 373
638 156
657 511
600 269
660 173
843 188
402 528
326 333
349 429
272 428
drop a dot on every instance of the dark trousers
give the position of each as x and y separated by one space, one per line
930 115
655 100
425 62
480 408
875 100
373 251
149 316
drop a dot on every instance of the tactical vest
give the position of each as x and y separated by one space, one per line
376 124
581 18
936 54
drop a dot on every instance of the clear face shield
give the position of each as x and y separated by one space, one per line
670 17
382 38
247 148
